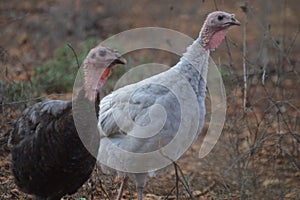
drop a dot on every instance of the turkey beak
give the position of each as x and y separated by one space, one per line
234 21
120 60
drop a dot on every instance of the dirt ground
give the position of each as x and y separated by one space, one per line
258 154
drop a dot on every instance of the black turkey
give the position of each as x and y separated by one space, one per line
48 158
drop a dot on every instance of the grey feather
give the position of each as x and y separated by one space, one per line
126 112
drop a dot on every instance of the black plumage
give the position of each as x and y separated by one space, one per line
49 159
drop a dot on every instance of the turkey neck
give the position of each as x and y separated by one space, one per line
82 97
193 65
85 114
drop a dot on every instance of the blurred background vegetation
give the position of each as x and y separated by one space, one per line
258 154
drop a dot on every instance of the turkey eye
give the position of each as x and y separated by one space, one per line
220 17
102 53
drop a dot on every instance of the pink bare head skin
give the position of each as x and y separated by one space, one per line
215 28
96 66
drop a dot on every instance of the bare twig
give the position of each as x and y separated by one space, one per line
168 196
282 35
274 41
245 10
184 181
177 180
229 52
216 5
103 189
293 42
206 190
70 46
176 167
266 34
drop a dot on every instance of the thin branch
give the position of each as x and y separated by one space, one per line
176 167
216 5
288 51
70 46
177 180
229 52
245 10
274 41
184 181
103 189
169 194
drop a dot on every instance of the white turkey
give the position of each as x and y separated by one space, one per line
48 158
128 115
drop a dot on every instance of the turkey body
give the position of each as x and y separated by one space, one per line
48 157
173 90
147 125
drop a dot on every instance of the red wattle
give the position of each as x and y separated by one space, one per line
217 38
104 76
